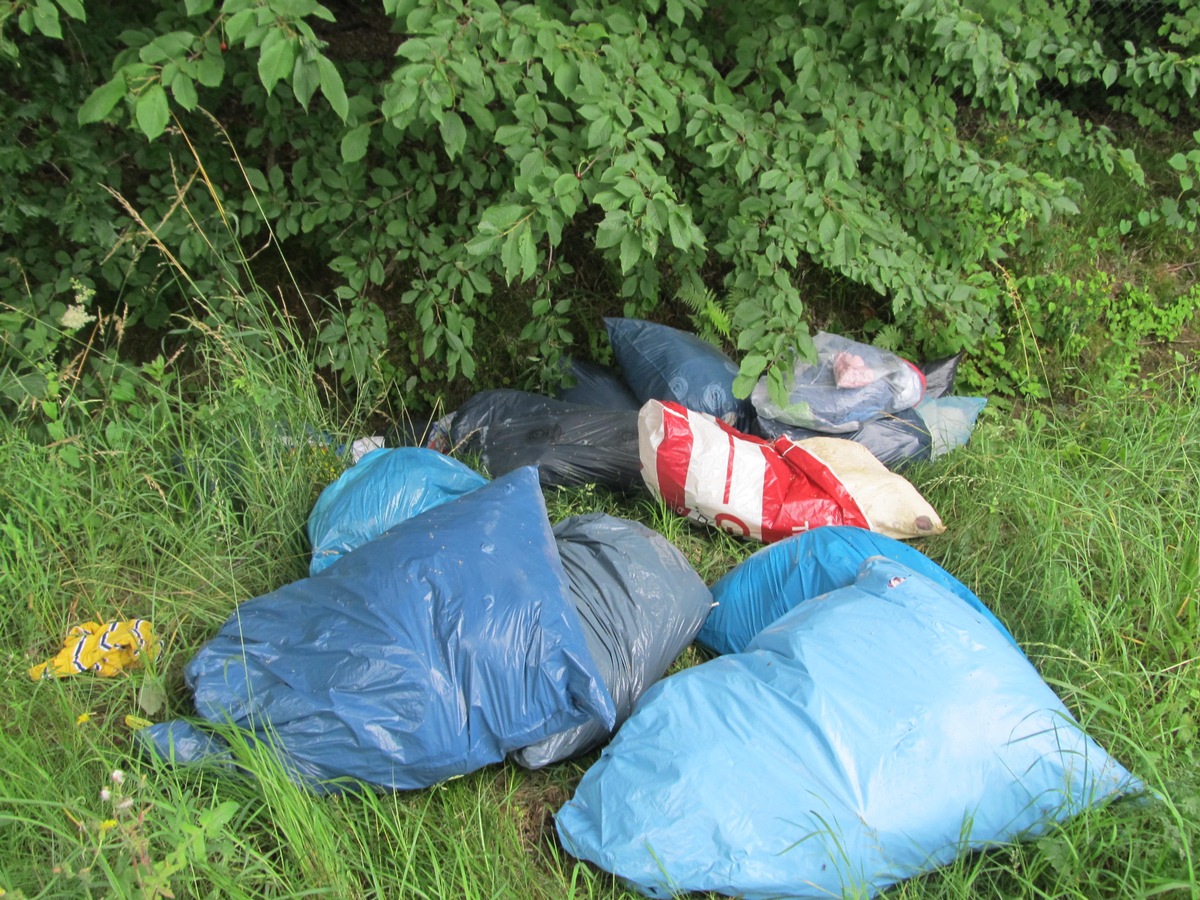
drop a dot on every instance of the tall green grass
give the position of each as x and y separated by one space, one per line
1079 526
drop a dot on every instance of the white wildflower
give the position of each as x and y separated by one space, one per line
76 317
118 776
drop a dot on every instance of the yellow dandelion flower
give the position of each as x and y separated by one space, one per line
107 824
83 717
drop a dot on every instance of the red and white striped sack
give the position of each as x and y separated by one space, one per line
766 491
715 475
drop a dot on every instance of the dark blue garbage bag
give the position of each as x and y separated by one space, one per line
777 578
592 384
435 649
641 603
662 363
381 490
862 739
571 445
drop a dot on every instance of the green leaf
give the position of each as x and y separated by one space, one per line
631 251
678 227
743 168
753 365
510 256
238 25
102 100
305 78
1178 162
45 17
502 217
354 142
743 385
74 9
611 230
333 87
171 45
454 133
511 134
565 184
275 59
483 244
528 251
566 77
256 179
152 112
210 69
183 89
827 231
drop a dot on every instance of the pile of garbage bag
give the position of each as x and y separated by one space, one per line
866 718
466 632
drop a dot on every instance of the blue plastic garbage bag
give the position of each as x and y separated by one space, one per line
426 653
862 739
950 421
383 489
641 603
779 577
659 362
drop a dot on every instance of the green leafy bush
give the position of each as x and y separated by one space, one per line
450 173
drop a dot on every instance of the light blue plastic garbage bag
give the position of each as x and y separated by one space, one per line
429 652
864 738
382 489
950 421
764 586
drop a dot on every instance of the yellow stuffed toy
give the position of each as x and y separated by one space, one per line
104 649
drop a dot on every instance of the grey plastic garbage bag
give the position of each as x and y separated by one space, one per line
571 445
862 739
927 431
895 439
429 652
383 489
641 603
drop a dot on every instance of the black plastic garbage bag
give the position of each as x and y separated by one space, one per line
659 362
571 445
435 649
592 384
641 603
940 374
